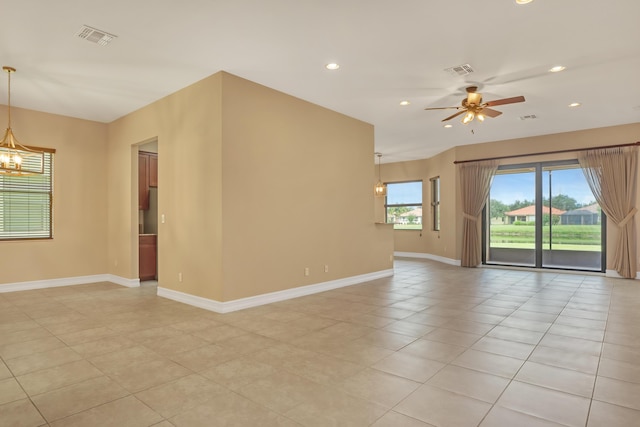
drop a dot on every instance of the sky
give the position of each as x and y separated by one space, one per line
508 188
405 192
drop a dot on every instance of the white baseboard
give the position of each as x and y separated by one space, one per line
614 273
242 303
68 281
123 281
196 301
432 257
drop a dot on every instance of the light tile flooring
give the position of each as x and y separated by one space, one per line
435 345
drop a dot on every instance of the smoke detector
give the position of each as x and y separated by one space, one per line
460 70
94 35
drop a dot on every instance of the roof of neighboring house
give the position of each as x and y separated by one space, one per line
414 212
531 211
584 211
595 208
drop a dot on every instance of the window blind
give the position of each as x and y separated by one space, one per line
26 204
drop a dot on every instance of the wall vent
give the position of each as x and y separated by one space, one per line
460 70
95 36
528 117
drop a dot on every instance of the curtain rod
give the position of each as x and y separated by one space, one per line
547 152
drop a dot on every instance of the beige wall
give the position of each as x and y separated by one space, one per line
187 127
79 244
255 186
282 186
571 140
298 192
441 243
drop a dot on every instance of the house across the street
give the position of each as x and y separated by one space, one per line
528 213
587 215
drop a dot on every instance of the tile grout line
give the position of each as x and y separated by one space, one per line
528 357
604 337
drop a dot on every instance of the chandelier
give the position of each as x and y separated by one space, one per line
380 189
15 158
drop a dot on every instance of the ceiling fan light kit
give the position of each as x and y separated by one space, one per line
472 106
468 117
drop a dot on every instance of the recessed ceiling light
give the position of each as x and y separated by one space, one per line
523 1
556 69
448 126
574 104
403 103
332 66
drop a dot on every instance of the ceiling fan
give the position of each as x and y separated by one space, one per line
473 106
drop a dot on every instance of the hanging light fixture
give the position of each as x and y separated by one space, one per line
380 189
16 159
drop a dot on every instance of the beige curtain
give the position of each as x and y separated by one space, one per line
475 182
612 174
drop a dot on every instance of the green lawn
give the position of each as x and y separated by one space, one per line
564 237
407 226
555 247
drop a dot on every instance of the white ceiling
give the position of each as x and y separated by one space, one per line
389 51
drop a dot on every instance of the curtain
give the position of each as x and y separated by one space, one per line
475 182
612 174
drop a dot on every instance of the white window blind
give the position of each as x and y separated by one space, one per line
26 204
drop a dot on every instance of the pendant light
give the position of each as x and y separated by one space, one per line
380 189
16 159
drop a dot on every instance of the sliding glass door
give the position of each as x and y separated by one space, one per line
572 220
543 215
511 216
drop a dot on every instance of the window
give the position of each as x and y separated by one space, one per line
435 203
544 215
404 205
25 204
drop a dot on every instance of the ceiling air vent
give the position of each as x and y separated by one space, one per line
95 36
529 117
460 70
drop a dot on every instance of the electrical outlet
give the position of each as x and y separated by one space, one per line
306 271
391 257
115 262
179 277
326 268
162 218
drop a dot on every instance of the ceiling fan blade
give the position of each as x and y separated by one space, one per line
443 108
455 115
490 112
505 101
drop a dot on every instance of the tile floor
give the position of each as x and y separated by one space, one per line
435 345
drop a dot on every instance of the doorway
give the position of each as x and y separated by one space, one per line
148 212
543 215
